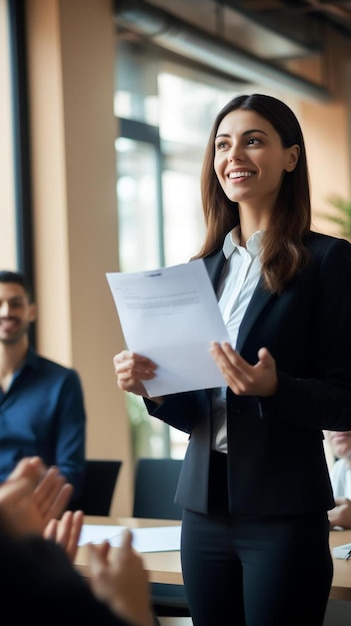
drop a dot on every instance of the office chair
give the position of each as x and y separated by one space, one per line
154 488
100 480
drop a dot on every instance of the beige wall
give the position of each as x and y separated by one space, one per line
326 127
71 74
327 134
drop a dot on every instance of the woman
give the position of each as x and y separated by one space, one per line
254 483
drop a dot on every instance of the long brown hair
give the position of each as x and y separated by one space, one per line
284 253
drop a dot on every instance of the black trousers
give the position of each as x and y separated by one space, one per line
254 570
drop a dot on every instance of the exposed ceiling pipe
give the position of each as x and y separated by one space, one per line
329 7
181 38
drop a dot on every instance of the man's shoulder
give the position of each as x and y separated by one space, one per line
44 364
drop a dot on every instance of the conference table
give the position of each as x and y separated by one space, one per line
165 567
341 585
162 567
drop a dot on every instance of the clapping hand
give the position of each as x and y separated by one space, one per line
32 501
121 581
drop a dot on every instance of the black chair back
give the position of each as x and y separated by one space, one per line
154 489
99 484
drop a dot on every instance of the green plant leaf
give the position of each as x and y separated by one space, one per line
343 219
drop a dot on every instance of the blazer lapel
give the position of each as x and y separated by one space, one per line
258 302
214 265
261 297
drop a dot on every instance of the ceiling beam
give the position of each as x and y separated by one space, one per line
183 39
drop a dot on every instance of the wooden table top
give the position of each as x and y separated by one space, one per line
165 567
341 585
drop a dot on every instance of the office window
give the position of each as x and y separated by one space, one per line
164 114
138 214
8 254
187 108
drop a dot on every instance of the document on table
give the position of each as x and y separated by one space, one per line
171 315
153 539
342 552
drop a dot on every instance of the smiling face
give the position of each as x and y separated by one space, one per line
250 160
16 313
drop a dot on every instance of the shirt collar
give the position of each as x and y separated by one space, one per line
31 359
232 242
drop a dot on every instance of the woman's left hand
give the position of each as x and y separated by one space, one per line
245 379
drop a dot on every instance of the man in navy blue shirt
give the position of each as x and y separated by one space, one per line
41 402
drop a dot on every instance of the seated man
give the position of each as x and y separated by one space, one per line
41 402
340 476
38 581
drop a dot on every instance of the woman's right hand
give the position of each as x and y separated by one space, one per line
131 369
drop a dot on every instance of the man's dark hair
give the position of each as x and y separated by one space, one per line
6 276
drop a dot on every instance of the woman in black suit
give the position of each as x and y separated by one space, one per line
254 483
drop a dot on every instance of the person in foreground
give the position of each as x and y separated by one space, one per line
254 484
340 475
38 581
41 402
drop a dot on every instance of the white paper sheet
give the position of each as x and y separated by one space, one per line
342 552
153 539
95 533
171 315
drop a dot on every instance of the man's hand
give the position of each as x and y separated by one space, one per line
66 532
32 496
121 581
341 514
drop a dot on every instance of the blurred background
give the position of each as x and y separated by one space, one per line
105 113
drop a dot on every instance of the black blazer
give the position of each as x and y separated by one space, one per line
276 457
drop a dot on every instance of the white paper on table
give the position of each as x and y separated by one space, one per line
153 539
171 315
342 552
96 533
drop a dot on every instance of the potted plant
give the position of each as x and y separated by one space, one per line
342 217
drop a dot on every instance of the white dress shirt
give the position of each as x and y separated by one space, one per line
239 279
340 476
